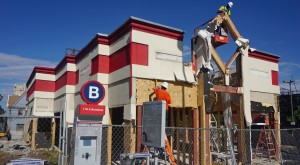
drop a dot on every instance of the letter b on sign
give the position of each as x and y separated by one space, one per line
92 92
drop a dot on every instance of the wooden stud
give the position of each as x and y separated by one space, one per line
241 135
195 137
34 131
172 125
277 125
219 107
204 144
240 115
178 134
184 142
190 135
53 130
139 111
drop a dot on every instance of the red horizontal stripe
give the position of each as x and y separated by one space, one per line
157 31
69 78
39 69
264 57
41 85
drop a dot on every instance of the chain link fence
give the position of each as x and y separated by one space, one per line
248 146
29 137
38 137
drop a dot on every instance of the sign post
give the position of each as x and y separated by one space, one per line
88 125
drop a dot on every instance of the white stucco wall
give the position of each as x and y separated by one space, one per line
121 42
157 68
103 49
260 76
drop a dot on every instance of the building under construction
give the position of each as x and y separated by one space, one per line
140 55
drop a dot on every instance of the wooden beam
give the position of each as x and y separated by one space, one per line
139 110
53 130
184 143
204 123
218 60
241 134
231 28
172 125
232 58
277 125
33 132
195 137
227 89
241 116
178 134
190 135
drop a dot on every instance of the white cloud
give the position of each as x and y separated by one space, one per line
17 67
287 70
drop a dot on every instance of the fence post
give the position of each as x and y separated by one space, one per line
195 137
33 132
139 110
53 130
241 135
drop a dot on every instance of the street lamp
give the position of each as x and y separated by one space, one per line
290 83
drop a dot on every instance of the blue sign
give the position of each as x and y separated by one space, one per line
92 92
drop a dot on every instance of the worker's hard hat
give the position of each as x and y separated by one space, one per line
230 4
165 84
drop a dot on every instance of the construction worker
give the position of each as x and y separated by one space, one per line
225 9
162 94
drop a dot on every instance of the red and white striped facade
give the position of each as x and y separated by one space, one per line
137 49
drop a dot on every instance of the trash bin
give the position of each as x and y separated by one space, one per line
130 159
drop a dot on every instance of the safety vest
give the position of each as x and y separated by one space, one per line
224 9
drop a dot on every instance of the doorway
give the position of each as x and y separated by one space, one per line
117 119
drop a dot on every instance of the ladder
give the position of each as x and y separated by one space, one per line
265 143
214 134
168 150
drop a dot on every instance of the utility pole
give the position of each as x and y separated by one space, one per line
73 51
290 83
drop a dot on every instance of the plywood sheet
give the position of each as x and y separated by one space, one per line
182 94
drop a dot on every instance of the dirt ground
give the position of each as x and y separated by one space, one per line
10 150
5 157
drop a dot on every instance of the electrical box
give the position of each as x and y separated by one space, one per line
87 134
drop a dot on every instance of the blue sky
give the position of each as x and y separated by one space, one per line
37 32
